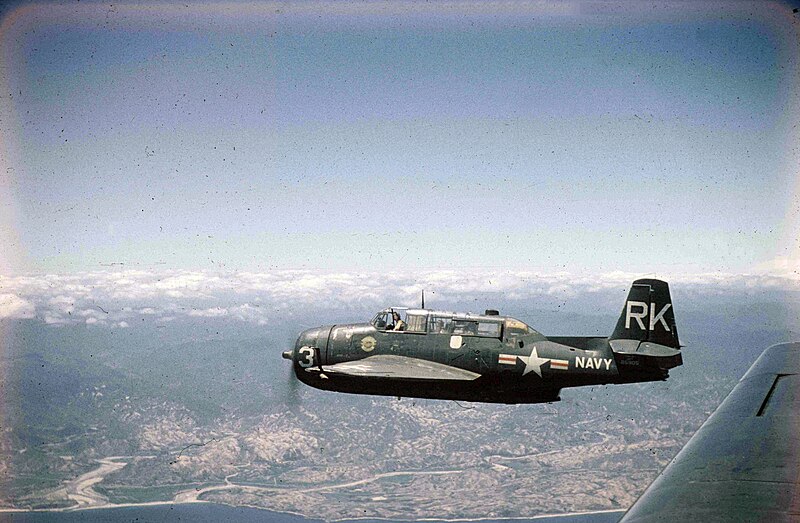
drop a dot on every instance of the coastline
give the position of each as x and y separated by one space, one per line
151 504
81 491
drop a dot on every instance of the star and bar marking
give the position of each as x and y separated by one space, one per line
533 362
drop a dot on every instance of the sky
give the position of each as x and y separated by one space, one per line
579 136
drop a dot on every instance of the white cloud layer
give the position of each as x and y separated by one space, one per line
12 306
115 298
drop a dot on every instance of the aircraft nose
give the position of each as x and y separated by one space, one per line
316 338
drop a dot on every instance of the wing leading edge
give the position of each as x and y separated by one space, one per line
399 367
743 464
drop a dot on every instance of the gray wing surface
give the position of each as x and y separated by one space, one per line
401 367
744 462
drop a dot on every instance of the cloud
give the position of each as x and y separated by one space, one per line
12 306
786 265
62 303
134 297
213 312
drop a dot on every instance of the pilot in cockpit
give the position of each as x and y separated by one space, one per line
399 324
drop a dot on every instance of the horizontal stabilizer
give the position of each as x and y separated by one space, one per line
643 354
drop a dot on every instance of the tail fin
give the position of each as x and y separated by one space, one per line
648 315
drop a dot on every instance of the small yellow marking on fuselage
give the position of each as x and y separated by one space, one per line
368 344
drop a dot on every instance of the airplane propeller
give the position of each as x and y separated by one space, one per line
292 392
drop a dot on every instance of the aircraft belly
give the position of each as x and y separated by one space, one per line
480 390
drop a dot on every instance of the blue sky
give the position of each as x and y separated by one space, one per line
376 136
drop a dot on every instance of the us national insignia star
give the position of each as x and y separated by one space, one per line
533 362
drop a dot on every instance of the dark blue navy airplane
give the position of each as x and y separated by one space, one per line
423 353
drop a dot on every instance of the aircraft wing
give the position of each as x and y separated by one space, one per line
744 462
401 367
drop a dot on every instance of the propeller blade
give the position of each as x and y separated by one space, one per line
292 392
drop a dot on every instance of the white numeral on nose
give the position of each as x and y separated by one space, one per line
306 357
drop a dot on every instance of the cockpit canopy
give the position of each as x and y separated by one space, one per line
425 321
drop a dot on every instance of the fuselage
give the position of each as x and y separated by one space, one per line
512 362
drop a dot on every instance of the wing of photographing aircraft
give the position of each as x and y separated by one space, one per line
744 463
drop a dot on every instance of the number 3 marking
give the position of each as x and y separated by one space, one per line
308 353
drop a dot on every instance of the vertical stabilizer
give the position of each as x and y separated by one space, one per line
648 315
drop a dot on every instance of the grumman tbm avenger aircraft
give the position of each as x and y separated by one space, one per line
487 357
